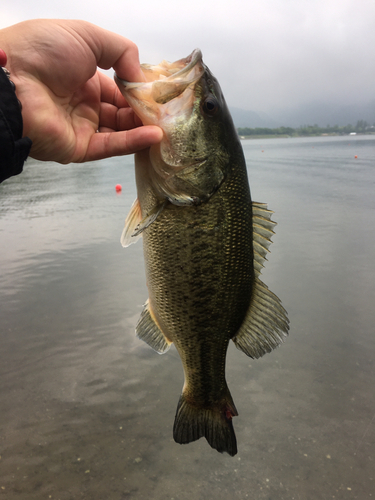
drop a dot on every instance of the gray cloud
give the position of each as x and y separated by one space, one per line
266 55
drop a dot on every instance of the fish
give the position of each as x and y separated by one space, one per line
204 242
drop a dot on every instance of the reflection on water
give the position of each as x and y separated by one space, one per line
87 410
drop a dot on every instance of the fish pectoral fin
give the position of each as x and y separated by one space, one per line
131 222
266 323
149 219
135 225
149 331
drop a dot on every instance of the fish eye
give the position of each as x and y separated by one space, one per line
210 105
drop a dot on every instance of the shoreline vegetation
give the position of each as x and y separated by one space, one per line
362 127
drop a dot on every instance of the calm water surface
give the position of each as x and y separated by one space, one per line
87 410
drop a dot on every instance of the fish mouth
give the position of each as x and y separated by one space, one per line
167 99
170 98
162 96
168 80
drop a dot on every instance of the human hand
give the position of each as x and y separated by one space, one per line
71 111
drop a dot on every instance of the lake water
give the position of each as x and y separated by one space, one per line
87 410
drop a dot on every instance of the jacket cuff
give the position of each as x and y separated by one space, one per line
14 149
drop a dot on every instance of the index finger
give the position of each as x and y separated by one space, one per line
128 67
111 50
110 93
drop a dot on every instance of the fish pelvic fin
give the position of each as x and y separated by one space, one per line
266 323
149 331
215 424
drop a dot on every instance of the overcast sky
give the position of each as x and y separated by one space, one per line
265 54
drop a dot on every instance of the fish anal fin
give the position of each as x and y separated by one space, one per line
149 331
215 424
131 222
266 323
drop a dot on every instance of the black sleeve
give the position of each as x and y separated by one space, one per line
14 148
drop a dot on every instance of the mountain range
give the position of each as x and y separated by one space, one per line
320 114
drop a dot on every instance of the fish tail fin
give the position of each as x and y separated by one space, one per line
215 424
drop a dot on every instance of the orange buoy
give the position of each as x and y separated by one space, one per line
356 156
118 187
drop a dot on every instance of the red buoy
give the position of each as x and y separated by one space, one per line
118 187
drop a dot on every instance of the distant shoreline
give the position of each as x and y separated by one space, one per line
362 127
286 136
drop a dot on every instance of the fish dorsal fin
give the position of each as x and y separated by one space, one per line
266 322
131 222
262 234
149 331
265 325
135 225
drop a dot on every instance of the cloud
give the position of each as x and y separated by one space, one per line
266 55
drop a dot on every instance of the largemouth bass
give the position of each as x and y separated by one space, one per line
204 243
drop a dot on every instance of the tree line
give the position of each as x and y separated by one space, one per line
362 127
